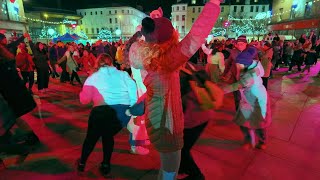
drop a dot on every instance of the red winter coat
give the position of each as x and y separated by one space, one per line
24 62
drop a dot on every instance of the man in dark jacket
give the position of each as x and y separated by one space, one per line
13 92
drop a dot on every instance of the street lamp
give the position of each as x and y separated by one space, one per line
120 33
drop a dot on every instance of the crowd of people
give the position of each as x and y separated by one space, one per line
146 85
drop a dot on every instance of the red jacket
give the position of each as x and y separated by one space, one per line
24 62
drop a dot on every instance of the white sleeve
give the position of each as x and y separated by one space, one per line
206 50
132 88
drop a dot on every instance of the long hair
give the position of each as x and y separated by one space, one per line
103 60
153 53
215 48
38 49
132 40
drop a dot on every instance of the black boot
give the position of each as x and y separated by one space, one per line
80 166
105 169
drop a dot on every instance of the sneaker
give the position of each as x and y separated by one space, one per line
105 169
261 146
139 150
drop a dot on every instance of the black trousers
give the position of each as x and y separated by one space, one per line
190 137
260 133
103 122
43 78
295 62
75 75
265 81
28 77
64 74
237 98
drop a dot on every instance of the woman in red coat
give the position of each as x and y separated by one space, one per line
162 55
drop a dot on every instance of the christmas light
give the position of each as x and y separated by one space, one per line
105 34
65 21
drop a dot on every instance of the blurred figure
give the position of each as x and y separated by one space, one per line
26 65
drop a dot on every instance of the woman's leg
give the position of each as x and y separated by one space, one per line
170 163
93 134
31 80
40 78
190 137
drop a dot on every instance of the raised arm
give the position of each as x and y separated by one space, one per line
206 50
199 31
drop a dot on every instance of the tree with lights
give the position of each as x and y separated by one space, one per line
105 34
83 35
48 33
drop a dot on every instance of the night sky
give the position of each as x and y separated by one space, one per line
147 5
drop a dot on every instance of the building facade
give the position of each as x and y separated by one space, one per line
12 22
121 21
185 12
295 17
47 23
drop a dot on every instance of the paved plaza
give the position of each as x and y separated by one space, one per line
293 151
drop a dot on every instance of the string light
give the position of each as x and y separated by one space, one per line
33 19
